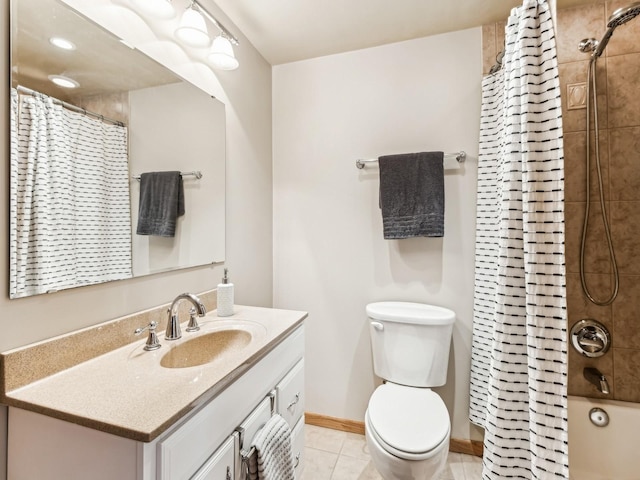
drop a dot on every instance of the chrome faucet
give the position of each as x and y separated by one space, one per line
593 375
173 325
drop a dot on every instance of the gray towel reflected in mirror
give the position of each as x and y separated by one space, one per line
161 203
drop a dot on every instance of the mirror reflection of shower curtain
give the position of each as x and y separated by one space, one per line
70 213
519 351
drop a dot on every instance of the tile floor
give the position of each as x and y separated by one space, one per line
335 455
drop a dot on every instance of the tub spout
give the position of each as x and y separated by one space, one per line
594 376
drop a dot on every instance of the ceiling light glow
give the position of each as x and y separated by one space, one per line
62 43
64 82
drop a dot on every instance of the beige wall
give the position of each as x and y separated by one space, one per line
619 119
195 141
330 257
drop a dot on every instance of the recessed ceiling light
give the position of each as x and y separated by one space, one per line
62 43
63 81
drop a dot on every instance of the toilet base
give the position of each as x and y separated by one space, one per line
391 467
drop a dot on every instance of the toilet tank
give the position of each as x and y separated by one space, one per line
410 342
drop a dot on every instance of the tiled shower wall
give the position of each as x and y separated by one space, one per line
618 85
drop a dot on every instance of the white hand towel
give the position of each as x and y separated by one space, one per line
273 459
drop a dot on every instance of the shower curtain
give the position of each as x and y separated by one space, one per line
519 349
70 213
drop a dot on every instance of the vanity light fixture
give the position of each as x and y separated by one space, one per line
193 31
63 81
221 55
157 8
193 28
62 43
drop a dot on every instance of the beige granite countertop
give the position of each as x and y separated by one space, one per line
128 393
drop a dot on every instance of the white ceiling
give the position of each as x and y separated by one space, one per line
290 30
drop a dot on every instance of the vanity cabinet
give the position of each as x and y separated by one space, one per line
204 445
221 465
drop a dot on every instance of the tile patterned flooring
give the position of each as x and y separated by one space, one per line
334 455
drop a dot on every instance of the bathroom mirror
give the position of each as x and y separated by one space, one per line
169 125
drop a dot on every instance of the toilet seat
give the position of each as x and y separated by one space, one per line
408 422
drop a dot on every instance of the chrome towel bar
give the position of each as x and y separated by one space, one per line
459 156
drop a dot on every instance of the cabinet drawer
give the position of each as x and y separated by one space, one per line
291 394
297 447
254 422
221 465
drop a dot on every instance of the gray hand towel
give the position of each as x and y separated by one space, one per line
161 203
273 459
412 195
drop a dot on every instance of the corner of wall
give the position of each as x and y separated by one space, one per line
3 441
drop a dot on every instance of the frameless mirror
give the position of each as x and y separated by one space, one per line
77 155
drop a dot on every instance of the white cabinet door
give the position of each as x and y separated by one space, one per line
221 465
249 428
297 447
291 395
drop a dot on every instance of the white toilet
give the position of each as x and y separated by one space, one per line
407 425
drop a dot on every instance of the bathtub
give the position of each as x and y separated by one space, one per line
604 453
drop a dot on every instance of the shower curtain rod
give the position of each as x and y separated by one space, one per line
459 156
69 106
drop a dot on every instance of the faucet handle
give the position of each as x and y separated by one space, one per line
193 321
152 339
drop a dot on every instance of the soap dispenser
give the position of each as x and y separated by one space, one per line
225 297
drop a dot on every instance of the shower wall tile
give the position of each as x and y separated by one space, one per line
114 105
576 72
489 50
576 24
626 317
596 257
624 161
625 231
580 307
575 166
500 27
627 374
625 38
623 72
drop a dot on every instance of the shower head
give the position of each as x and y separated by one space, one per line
623 15
617 18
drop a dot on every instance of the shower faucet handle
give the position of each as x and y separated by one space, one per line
590 338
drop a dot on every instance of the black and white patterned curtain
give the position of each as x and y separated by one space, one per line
70 213
519 349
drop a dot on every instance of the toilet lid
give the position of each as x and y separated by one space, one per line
408 419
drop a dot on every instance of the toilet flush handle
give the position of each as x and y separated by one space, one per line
378 326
